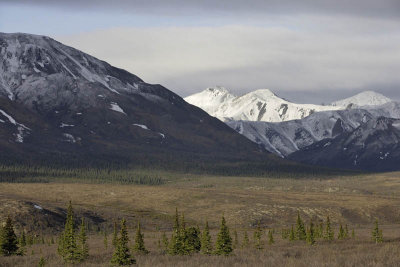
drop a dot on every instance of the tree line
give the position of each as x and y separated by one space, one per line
184 240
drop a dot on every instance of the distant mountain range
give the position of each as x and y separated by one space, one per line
308 133
60 104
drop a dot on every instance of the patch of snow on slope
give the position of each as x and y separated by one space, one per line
116 107
142 126
19 137
66 125
37 207
69 138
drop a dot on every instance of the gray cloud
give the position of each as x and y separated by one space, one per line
244 58
381 8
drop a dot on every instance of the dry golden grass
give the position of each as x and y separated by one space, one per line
356 201
358 252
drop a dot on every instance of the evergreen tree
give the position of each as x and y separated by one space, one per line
292 235
121 254
192 242
164 241
300 229
139 241
258 237
22 240
246 240
377 236
341 234
177 242
42 262
329 234
223 244
235 240
321 230
346 231
83 247
206 245
8 239
353 234
310 234
271 237
67 245
115 235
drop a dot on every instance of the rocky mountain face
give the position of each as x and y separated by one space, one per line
58 102
300 131
374 145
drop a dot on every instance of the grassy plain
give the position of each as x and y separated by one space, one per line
353 200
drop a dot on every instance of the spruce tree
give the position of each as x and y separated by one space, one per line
164 241
206 245
8 239
377 236
329 234
292 235
83 247
121 254
22 240
271 237
246 241
353 234
341 234
300 229
177 242
42 262
346 231
311 234
258 237
67 245
139 241
192 241
223 244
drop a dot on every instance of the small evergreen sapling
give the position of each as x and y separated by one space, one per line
8 239
258 244
300 229
271 237
329 234
206 245
246 241
310 234
377 236
139 241
122 254
223 244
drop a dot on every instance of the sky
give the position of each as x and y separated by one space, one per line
303 50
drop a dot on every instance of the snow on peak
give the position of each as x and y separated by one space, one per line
259 105
367 98
114 106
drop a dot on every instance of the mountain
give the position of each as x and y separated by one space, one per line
60 104
259 105
367 98
299 131
374 145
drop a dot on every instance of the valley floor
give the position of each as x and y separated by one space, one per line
356 201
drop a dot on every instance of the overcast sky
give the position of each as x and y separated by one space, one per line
304 50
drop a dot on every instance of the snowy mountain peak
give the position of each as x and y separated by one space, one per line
367 98
262 94
217 89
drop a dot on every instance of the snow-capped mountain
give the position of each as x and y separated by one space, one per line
367 98
259 105
285 128
56 101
